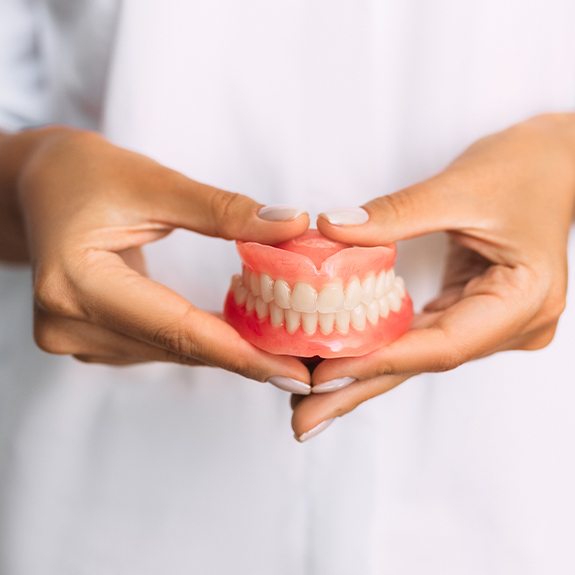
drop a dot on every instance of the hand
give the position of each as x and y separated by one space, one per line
88 208
507 206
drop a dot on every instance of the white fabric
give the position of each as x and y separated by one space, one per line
164 469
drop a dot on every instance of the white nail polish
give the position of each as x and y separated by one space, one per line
291 385
315 430
346 216
332 385
279 213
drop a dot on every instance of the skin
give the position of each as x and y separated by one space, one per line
79 209
507 206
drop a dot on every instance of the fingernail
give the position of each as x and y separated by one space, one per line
291 385
315 430
279 213
346 216
332 385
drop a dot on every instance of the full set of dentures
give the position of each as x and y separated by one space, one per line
312 296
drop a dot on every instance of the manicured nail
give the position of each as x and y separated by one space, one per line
315 430
291 385
346 216
279 213
332 385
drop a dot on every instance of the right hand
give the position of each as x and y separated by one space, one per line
88 208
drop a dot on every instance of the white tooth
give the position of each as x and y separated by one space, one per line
276 315
394 301
342 319
246 277
358 317
368 288
353 294
380 285
383 307
250 302
389 279
282 294
255 284
240 294
309 322
326 321
303 298
292 319
261 308
330 298
399 286
373 312
267 288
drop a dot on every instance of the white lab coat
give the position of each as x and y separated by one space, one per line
319 103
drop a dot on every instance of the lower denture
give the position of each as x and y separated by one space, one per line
339 301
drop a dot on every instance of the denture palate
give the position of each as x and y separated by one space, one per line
335 306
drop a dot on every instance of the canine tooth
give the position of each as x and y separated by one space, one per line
303 298
380 285
358 317
342 319
255 284
353 294
240 294
261 308
326 322
250 302
266 288
368 288
394 301
282 294
292 319
330 298
309 322
399 286
276 315
383 307
373 312
246 277
389 279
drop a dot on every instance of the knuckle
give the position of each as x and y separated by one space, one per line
52 292
542 341
177 340
49 338
448 361
225 207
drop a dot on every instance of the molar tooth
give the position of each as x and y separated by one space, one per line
399 286
358 317
368 288
261 308
292 319
267 288
373 312
383 307
380 285
389 279
309 322
330 298
342 319
276 315
394 301
303 298
255 284
326 322
353 294
282 294
250 302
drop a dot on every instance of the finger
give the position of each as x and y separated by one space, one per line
432 206
313 410
125 302
219 213
494 309
89 342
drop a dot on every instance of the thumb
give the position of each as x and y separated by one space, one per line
214 212
430 206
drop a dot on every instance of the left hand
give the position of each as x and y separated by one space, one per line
507 205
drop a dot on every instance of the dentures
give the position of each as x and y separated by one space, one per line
311 296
